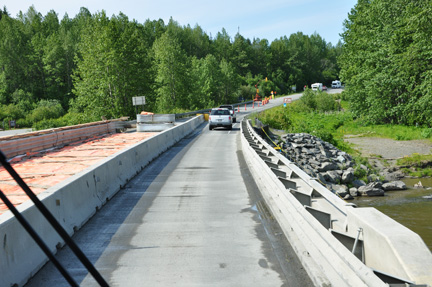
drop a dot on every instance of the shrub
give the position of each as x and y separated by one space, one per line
326 103
426 133
47 109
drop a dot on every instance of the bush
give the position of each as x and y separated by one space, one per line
11 112
47 109
318 101
308 100
326 103
426 133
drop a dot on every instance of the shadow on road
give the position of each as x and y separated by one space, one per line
97 234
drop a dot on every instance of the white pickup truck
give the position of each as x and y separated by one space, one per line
232 111
220 117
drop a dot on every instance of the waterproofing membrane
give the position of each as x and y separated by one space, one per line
44 169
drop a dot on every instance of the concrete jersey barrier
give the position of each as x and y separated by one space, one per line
73 202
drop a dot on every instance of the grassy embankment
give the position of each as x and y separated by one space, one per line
329 118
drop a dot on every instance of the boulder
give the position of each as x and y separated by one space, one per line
333 176
321 178
326 166
358 182
371 189
375 192
348 175
394 185
340 159
353 191
373 177
340 189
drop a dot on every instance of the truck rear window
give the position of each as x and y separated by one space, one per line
220 112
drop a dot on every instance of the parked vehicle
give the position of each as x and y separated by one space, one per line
220 117
232 111
336 84
317 87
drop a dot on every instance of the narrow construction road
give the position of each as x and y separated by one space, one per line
193 217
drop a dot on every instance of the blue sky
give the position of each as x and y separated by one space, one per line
269 19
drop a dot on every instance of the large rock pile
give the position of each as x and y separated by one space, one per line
333 168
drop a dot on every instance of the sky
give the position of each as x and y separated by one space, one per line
264 19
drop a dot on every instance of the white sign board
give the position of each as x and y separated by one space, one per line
287 100
138 101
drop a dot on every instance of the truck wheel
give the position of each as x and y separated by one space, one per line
210 127
230 127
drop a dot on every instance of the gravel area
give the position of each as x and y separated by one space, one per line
388 148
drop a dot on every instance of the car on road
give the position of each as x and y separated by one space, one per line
232 111
220 117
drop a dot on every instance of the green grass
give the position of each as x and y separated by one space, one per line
417 165
334 126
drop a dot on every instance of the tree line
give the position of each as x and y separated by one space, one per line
79 69
386 61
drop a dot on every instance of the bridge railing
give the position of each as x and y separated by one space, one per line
382 250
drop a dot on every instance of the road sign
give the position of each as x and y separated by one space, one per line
287 100
138 101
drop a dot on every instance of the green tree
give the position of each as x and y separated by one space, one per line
230 82
112 67
386 61
206 80
171 66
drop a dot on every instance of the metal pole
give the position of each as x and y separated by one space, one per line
360 230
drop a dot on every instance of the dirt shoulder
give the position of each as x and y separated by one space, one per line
388 148
382 153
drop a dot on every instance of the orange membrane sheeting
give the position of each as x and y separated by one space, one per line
44 169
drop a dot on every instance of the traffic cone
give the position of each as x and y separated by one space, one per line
245 107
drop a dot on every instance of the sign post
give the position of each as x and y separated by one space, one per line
136 101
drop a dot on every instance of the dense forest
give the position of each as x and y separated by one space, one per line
386 61
57 72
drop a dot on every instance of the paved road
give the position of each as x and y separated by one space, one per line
14 132
193 217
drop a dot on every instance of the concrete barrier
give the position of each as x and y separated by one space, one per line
73 202
389 248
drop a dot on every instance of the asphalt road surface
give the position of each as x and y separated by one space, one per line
192 217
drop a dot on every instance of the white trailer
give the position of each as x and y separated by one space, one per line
317 87
336 84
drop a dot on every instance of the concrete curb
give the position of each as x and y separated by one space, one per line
74 201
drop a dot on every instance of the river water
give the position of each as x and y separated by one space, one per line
411 207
